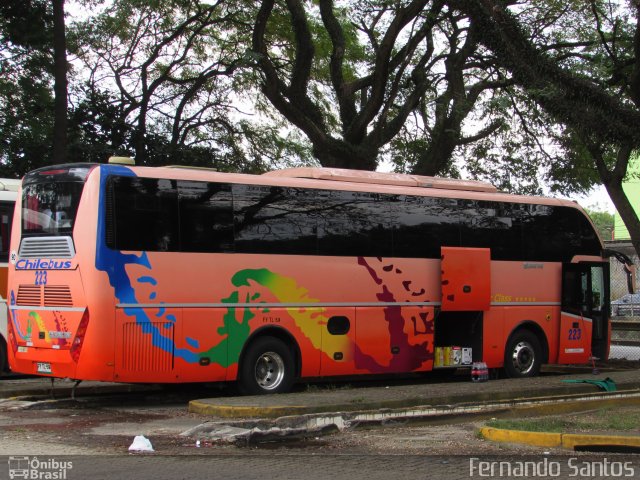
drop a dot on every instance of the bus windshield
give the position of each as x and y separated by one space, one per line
50 199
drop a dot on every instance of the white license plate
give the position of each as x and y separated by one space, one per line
43 367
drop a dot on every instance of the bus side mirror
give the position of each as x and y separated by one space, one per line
627 264
631 277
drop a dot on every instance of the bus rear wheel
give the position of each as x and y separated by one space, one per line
4 364
267 367
523 355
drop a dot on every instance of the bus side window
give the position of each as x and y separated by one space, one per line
145 214
278 220
206 217
6 217
354 224
597 288
423 225
573 291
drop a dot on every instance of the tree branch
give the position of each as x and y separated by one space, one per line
569 98
346 100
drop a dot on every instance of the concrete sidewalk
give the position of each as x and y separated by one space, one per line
341 397
41 386
321 410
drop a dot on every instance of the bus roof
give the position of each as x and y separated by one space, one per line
9 189
381 178
358 180
343 179
9 184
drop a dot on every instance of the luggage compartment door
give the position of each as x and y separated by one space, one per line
466 279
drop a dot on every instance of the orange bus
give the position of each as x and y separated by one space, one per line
137 274
8 194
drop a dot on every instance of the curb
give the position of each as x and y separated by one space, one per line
265 429
509 400
224 411
62 390
561 440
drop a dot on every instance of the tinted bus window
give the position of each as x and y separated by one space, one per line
206 217
191 216
491 225
425 224
6 218
145 214
354 224
274 220
554 233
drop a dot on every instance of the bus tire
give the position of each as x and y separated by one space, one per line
523 355
267 367
4 364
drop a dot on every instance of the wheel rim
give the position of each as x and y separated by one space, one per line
523 357
269 370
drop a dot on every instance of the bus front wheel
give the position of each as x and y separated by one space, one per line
267 367
4 364
523 355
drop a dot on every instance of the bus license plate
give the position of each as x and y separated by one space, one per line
44 367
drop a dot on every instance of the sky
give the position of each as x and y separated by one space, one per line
598 200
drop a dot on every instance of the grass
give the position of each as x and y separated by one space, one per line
327 387
549 424
604 419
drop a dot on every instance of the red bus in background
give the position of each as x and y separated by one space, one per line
135 274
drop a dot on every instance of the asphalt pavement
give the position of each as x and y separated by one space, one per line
354 394
429 390
318 409
377 401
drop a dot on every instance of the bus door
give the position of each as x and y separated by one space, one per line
584 329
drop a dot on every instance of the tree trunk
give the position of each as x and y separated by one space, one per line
335 153
60 84
626 211
612 180
437 156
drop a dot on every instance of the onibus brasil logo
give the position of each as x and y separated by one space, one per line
36 469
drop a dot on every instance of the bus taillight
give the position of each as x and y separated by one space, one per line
12 337
76 346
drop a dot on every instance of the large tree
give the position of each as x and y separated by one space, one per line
34 123
60 83
26 99
169 72
596 98
157 62
402 81
351 76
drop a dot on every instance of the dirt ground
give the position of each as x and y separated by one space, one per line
107 424
111 429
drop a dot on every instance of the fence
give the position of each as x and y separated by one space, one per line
625 308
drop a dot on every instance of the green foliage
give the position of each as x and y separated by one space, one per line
26 24
97 129
26 100
603 221
176 81
26 120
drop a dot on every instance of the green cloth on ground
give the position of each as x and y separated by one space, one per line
608 385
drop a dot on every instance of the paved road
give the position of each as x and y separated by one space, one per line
98 430
352 467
